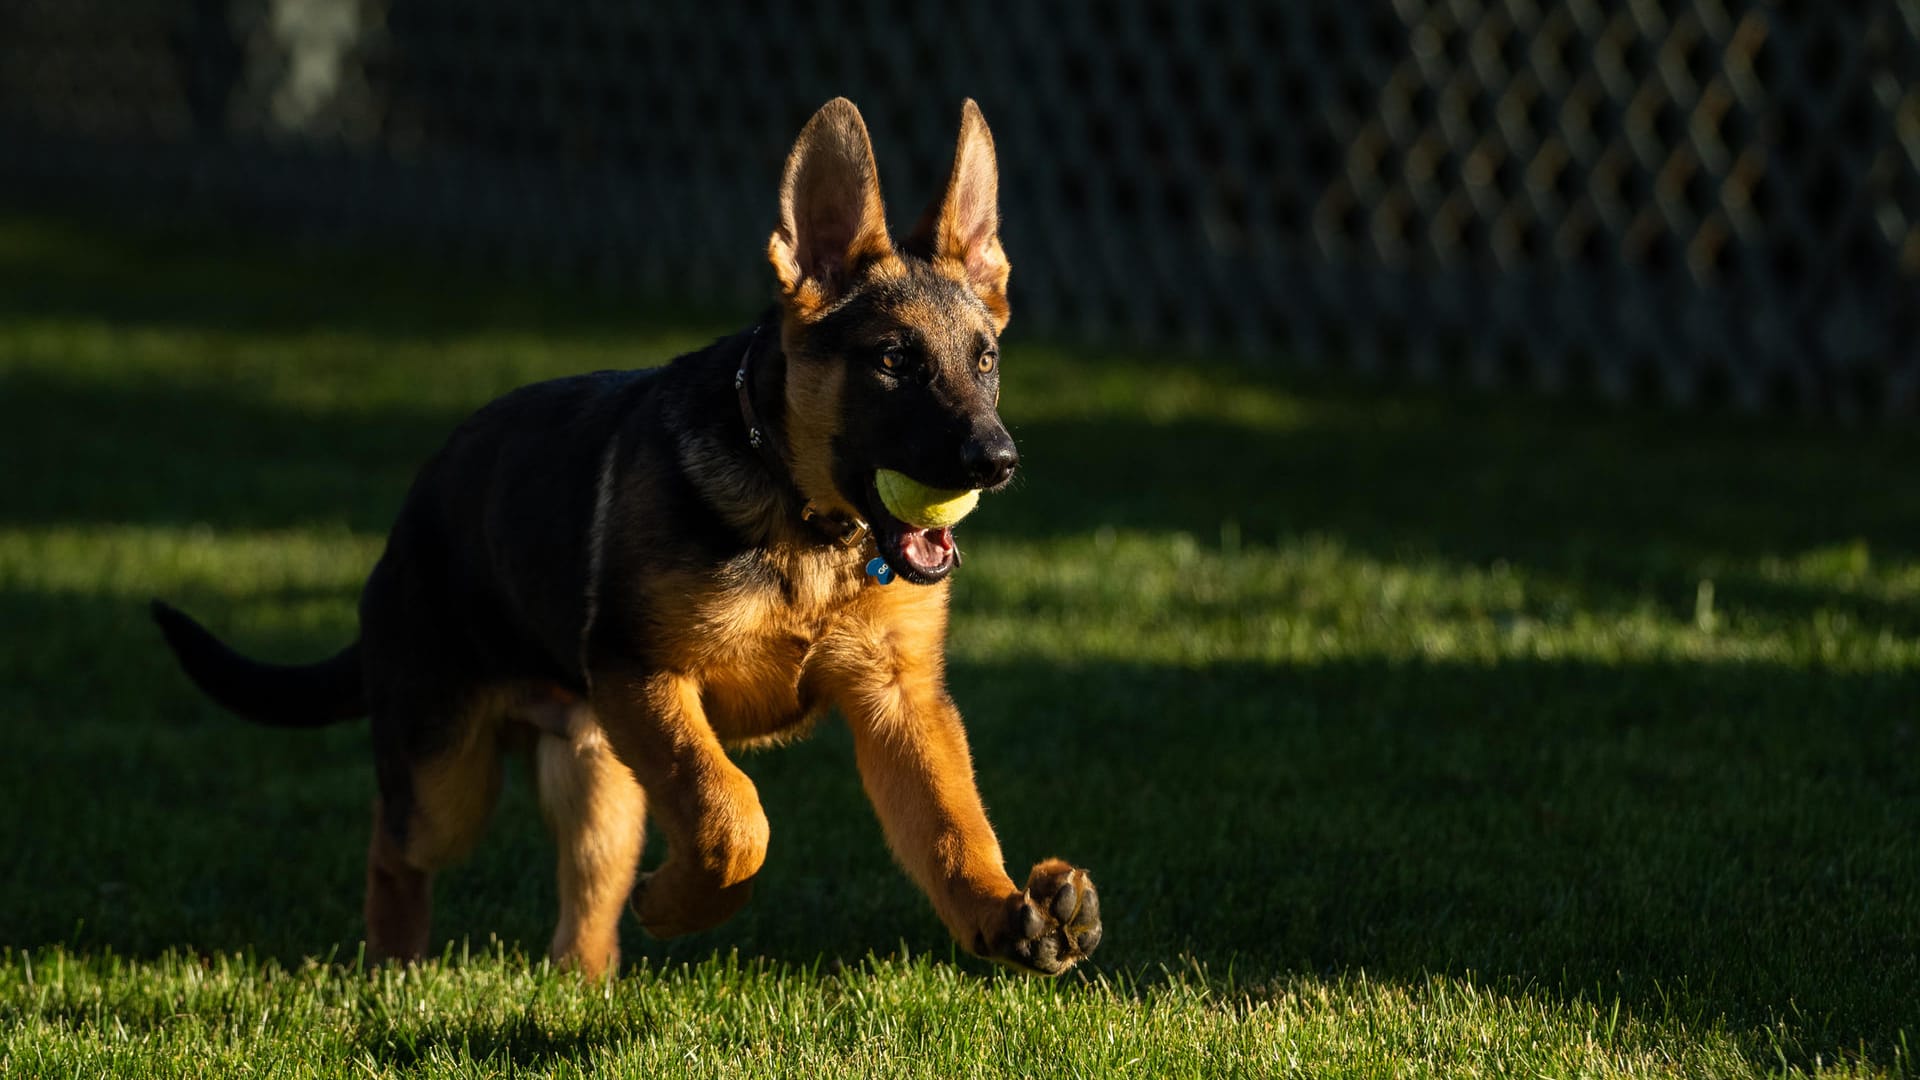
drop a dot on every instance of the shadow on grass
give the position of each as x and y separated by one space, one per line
1473 479
172 278
1617 509
160 453
1636 503
1713 838
522 1040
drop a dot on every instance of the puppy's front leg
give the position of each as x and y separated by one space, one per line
914 763
709 809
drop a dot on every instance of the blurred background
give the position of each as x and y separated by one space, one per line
1683 201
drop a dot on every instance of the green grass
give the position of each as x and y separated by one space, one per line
1406 735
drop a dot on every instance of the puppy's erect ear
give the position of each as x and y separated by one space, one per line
831 217
960 232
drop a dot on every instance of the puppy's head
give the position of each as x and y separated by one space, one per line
892 350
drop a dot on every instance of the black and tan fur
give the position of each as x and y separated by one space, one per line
601 571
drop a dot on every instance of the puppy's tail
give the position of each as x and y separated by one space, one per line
280 695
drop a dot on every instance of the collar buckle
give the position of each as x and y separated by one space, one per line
849 532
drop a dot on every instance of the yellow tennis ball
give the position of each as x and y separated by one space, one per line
917 504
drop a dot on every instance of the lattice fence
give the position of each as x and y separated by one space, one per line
1697 202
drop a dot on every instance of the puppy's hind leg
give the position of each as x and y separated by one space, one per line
429 814
597 813
399 906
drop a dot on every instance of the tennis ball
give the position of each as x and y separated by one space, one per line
917 504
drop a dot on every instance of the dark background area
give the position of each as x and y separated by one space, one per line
1700 202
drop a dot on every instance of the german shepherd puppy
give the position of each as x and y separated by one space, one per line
625 573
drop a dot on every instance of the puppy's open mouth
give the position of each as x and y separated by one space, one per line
922 556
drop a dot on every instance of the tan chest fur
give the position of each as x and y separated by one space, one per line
778 636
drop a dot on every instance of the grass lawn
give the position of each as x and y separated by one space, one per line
1405 734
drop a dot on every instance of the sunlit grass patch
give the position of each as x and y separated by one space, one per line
726 1017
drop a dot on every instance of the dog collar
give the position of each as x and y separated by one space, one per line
848 532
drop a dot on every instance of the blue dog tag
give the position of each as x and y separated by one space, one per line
878 570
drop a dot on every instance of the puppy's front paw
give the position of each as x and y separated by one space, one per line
672 901
1052 925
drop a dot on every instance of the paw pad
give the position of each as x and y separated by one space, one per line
1054 923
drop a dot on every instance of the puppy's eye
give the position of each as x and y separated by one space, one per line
986 361
893 360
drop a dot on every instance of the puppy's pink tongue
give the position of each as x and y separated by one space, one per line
927 549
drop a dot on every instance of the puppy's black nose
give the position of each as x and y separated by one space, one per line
989 459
